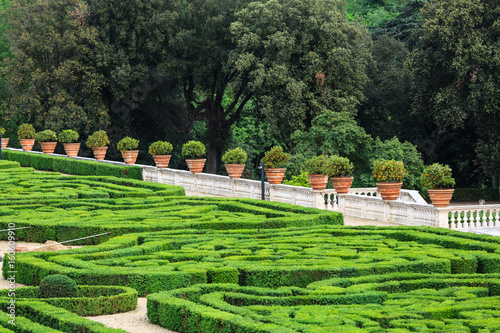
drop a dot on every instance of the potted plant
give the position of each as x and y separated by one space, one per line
193 151
5 141
68 138
274 164
316 169
26 135
128 147
47 140
389 176
99 142
340 170
437 179
160 151
234 161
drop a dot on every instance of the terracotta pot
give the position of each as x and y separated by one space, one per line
100 152
130 156
196 165
441 197
5 142
162 161
389 190
72 149
27 144
317 181
342 184
275 176
234 171
48 147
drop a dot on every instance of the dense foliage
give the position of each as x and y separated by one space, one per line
46 136
437 176
388 171
160 148
235 156
98 139
68 136
57 285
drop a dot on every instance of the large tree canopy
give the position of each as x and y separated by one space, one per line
456 64
50 76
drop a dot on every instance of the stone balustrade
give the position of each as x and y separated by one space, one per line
410 209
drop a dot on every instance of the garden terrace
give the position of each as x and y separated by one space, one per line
61 208
163 260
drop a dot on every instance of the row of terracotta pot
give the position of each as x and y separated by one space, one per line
439 197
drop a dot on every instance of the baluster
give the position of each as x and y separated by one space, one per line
496 219
453 220
487 219
477 219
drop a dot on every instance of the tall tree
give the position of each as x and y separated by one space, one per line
295 57
51 78
456 64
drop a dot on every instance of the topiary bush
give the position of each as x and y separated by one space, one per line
26 131
98 139
275 158
160 148
235 156
46 136
68 136
57 285
127 143
193 150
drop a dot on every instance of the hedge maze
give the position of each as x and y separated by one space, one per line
219 265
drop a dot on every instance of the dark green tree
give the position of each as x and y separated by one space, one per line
4 54
457 70
51 78
293 57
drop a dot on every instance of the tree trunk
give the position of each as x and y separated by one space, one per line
213 158
214 144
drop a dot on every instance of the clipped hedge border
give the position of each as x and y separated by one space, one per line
42 317
72 166
92 300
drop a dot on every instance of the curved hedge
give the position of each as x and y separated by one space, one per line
91 301
401 303
163 260
40 317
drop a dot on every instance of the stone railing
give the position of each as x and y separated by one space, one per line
410 209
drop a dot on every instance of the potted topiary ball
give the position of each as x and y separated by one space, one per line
99 142
438 181
193 151
68 138
316 169
47 140
128 148
26 135
234 161
5 141
274 164
160 151
389 176
340 170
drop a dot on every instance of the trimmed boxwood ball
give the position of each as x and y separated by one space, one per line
58 285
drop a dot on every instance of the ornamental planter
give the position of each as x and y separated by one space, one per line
72 149
342 184
130 156
162 161
27 144
317 181
196 165
48 147
275 175
100 152
234 171
5 142
389 190
441 197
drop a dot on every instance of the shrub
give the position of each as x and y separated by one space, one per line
2 130
160 148
339 167
275 158
68 136
235 156
46 136
300 180
57 285
388 171
127 143
317 165
98 139
26 131
193 149
437 176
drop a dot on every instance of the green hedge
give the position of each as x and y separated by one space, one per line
40 317
72 166
91 301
